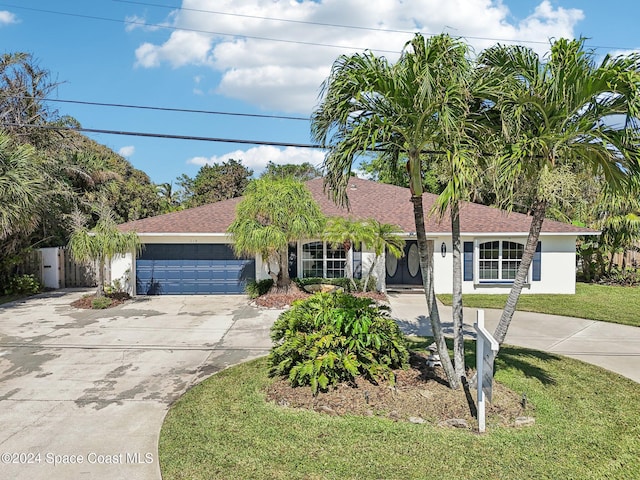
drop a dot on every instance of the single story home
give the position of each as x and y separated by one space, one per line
189 251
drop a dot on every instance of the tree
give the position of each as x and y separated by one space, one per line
273 214
24 87
100 244
370 105
169 197
559 111
384 239
26 188
217 182
348 233
302 172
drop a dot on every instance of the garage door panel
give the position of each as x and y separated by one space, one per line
191 270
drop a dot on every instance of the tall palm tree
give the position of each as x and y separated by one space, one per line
371 105
557 111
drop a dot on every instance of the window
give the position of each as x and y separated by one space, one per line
499 260
321 260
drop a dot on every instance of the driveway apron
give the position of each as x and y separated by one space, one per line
83 393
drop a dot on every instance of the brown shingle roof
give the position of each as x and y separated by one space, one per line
368 199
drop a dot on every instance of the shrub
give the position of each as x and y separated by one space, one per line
334 337
257 289
23 285
342 282
100 303
627 277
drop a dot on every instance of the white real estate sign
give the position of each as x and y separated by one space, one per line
486 351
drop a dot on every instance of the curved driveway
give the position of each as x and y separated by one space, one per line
83 393
608 345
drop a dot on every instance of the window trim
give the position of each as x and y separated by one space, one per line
476 262
325 259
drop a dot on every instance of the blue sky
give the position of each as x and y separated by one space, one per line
239 56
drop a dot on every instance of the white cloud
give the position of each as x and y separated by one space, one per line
256 158
286 75
127 151
7 18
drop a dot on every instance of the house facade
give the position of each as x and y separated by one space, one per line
189 252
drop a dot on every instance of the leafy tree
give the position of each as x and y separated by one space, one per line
302 172
368 104
350 234
26 189
384 238
100 244
24 87
559 111
272 214
216 182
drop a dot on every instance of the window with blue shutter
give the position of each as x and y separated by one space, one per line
536 269
468 261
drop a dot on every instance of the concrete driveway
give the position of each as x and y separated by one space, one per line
83 393
607 345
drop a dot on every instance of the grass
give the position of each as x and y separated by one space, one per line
591 301
586 428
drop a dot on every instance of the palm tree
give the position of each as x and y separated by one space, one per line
100 244
273 214
350 234
557 111
371 105
385 240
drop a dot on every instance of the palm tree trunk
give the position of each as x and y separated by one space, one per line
370 272
425 251
101 267
539 210
283 280
458 326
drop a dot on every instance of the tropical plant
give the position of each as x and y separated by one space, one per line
272 214
335 337
100 244
370 105
216 182
385 239
350 234
559 111
302 172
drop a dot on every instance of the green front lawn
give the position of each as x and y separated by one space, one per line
586 428
593 302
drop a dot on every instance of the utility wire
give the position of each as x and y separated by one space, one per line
208 32
162 135
163 109
187 137
299 42
321 24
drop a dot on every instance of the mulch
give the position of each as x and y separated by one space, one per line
116 299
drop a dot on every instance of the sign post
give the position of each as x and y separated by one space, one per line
486 351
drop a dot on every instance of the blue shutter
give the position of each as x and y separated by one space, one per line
537 258
468 261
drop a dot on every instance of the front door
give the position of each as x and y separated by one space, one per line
404 270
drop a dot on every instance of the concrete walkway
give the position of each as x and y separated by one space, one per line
608 345
83 393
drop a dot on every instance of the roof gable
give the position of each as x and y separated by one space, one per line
367 199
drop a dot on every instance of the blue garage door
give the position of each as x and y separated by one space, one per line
191 269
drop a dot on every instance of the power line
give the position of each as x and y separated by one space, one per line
168 109
269 39
188 137
338 25
196 30
164 135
